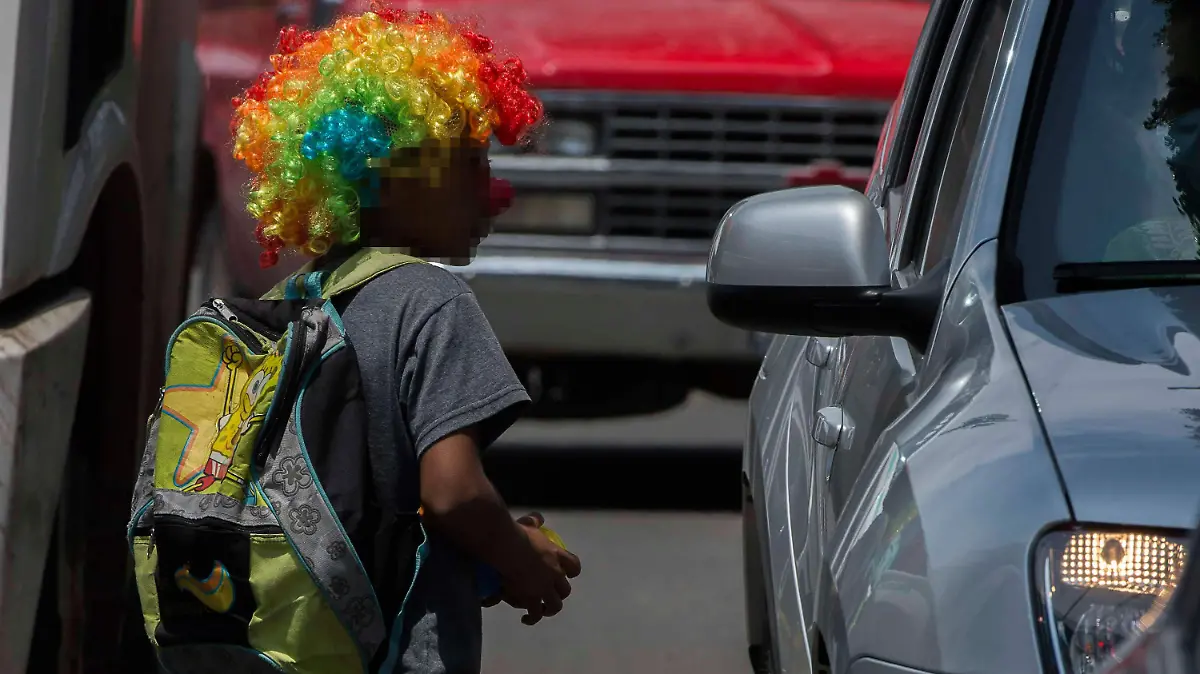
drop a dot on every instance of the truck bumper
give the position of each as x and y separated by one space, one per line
542 305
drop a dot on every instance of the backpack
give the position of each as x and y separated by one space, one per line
242 558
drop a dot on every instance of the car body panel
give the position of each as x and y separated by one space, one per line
781 415
38 165
931 565
1115 375
42 357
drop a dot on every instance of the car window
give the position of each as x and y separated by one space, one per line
900 135
950 193
876 190
1113 168
914 95
936 214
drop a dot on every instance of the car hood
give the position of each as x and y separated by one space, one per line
849 48
1116 378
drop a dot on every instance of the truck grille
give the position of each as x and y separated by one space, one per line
717 131
664 212
743 132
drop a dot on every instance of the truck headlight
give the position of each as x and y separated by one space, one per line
548 213
567 138
1101 588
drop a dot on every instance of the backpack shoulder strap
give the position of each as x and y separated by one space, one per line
359 268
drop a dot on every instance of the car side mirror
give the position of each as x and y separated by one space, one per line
814 261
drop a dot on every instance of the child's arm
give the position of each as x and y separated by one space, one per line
458 393
463 505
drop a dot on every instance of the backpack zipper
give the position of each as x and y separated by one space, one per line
243 331
223 309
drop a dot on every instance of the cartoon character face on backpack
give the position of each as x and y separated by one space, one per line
241 415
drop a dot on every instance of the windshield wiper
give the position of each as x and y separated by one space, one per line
1080 277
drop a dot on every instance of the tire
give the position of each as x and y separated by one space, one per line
84 600
209 274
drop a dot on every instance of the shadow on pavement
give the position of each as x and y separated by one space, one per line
621 479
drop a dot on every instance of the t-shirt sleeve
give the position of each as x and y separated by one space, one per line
456 376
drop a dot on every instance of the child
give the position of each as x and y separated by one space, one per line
374 132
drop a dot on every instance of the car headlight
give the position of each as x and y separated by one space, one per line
1101 588
567 138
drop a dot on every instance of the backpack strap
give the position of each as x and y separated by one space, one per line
364 265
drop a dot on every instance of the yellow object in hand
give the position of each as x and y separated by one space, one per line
554 538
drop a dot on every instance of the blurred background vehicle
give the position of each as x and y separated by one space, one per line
662 115
978 452
99 110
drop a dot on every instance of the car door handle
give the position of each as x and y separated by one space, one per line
828 427
819 352
832 429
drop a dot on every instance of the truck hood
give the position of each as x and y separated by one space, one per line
1116 378
844 48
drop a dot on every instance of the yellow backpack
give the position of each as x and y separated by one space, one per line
243 562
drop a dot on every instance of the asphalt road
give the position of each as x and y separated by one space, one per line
650 505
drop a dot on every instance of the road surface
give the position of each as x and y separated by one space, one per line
657 529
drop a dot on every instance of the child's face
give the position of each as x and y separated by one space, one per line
446 220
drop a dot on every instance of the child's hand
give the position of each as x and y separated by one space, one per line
540 586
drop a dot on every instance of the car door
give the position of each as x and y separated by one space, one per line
819 363
877 381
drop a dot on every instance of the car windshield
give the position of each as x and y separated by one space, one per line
1114 175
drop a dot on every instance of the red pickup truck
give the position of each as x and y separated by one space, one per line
663 114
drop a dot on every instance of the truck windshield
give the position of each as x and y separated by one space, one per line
1114 179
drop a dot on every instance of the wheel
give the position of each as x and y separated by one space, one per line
209 274
84 596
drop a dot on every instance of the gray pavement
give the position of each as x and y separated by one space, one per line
659 537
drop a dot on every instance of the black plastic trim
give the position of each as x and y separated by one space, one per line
1076 277
835 311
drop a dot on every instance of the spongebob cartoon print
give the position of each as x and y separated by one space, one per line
240 415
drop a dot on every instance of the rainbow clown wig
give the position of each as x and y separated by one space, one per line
341 99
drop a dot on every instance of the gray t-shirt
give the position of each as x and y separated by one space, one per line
430 366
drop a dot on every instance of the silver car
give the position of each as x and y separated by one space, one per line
975 444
